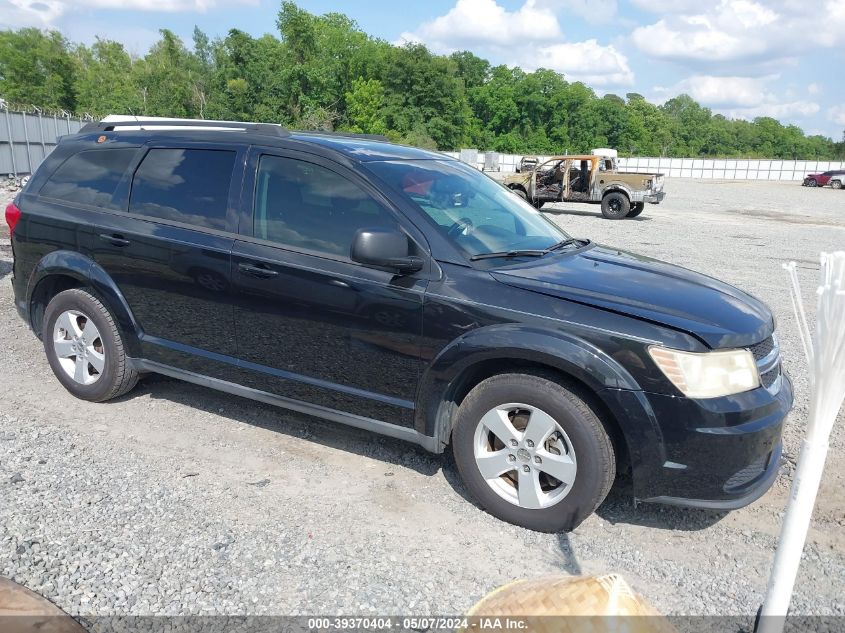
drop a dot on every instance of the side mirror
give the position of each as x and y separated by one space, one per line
385 248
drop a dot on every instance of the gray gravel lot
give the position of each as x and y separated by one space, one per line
177 499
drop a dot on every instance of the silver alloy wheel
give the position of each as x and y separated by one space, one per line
79 347
524 456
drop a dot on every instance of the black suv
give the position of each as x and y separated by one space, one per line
403 292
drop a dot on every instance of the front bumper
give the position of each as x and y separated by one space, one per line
718 453
654 198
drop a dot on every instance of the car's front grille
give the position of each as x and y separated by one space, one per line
769 378
767 356
763 348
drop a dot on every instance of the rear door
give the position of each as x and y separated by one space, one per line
311 324
170 250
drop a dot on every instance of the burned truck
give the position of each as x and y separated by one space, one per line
592 179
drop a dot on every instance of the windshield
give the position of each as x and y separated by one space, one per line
477 214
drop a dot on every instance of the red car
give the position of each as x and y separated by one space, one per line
820 180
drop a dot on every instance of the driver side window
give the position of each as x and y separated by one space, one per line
307 206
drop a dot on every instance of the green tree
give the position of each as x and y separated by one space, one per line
364 106
323 72
36 68
103 84
166 78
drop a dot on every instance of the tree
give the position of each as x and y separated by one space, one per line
165 79
323 72
364 106
103 84
36 68
473 70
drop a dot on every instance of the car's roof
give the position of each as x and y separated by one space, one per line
366 149
360 147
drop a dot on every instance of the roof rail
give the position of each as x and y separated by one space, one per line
268 129
372 137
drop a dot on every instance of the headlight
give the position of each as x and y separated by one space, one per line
708 375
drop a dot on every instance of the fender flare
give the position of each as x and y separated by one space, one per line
558 350
88 272
617 187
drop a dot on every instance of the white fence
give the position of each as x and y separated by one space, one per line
728 169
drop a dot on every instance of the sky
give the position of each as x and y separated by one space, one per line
741 58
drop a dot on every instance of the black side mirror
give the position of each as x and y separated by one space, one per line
385 248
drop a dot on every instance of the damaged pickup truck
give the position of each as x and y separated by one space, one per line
589 178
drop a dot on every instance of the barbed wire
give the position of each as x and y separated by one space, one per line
12 106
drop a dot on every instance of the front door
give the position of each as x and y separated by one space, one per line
577 178
311 324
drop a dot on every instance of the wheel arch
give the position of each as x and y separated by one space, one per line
62 270
485 352
617 188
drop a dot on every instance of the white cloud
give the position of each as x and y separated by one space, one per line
715 91
837 114
20 13
742 31
588 61
813 89
529 37
667 6
592 11
479 22
740 97
788 110
45 13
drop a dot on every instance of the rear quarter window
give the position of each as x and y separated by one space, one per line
90 177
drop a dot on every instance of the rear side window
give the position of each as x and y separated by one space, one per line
184 185
90 177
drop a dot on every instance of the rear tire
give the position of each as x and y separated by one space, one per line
521 194
571 442
84 347
836 184
636 209
615 205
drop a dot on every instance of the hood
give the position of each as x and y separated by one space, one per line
711 310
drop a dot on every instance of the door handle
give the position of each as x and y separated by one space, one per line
257 271
114 239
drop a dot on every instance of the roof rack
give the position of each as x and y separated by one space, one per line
371 137
106 125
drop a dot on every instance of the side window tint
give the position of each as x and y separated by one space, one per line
90 177
184 185
307 206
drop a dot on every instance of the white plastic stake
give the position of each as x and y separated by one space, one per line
825 353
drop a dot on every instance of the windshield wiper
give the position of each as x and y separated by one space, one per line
567 242
514 253
533 252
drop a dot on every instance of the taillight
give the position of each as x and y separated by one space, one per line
13 214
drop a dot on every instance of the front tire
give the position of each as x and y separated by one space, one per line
811 182
615 205
532 452
84 347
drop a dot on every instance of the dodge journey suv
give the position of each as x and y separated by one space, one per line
399 291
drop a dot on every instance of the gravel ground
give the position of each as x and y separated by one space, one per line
181 500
